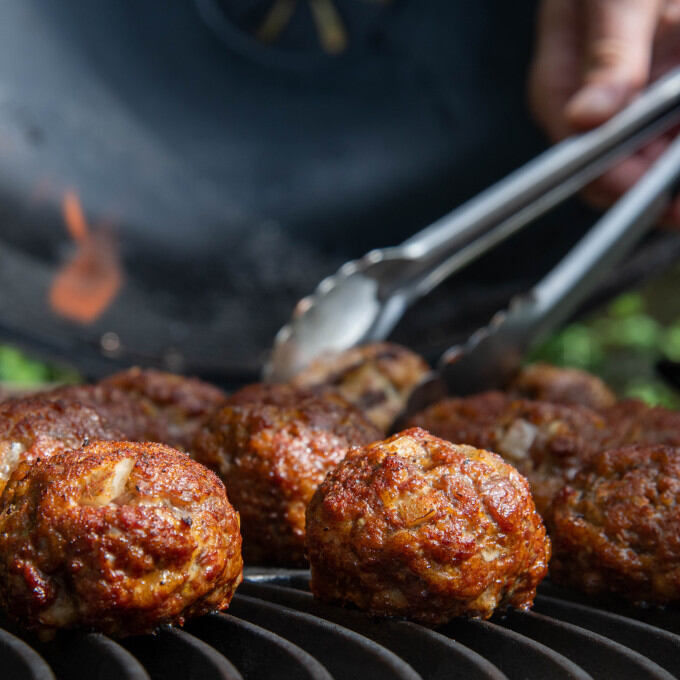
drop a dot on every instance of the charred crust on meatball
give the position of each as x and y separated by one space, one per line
117 408
416 526
632 421
559 385
377 378
98 538
34 427
546 442
616 526
190 396
151 405
272 446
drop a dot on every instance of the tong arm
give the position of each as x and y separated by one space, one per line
494 353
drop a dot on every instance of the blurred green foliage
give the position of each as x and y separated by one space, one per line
18 368
623 342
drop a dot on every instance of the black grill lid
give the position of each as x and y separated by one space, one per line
230 180
235 180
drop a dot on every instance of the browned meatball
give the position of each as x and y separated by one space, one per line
546 442
35 428
416 526
117 408
280 395
633 422
150 405
470 420
558 385
176 405
116 536
272 445
616 526
377 378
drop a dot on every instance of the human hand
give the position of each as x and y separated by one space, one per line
591 58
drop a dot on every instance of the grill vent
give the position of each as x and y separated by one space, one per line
275 628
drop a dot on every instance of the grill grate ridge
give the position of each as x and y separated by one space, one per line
598 655
656 643
20 661
173 653
275 627
332 644
433 655
514 653
257 651
104 658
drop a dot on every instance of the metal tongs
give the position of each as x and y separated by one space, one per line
365 299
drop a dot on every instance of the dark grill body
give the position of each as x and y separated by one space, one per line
274 628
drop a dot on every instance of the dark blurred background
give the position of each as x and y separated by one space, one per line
202 164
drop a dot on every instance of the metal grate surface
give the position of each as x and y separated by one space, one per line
275 628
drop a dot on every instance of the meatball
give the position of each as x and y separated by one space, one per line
116 536
273 445
616 526
633 422
544 382
117 408
470 420
175 405
280 395
377 378
149 405
546 442
416 526
35 428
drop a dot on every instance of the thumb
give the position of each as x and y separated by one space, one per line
617 51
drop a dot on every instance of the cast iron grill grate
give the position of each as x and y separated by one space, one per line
275 628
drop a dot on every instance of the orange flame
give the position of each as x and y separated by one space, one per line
90 280
74 217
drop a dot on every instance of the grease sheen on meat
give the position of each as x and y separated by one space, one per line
616 526
116 408
272 446
416 526
150 405
116 536
546 442
558 385
35 428
377 378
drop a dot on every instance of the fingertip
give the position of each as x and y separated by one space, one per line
594 104
609 187
619 179
653 150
